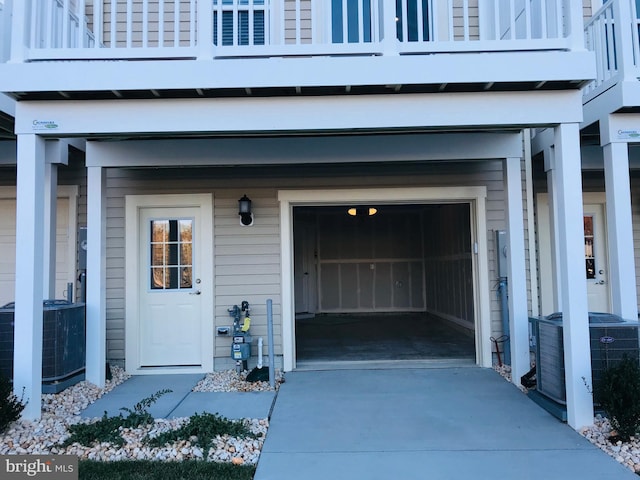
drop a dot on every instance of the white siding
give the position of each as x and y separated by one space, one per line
587 9
635 213
136 17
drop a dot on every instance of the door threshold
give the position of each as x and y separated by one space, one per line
306 365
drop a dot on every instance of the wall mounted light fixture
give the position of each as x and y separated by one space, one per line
244 210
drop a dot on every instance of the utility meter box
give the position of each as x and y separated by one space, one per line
501 253
240 351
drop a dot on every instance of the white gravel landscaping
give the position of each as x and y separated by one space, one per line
61 410
627 453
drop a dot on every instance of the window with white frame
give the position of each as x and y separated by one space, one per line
354 21
239 22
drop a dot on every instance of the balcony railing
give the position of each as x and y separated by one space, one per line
205 29
5 33
613 35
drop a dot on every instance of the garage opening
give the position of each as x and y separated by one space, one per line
383 282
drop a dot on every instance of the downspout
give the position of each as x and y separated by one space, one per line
531 238
503 294
504 314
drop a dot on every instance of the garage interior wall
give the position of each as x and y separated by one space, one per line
448 263
403 258
370 263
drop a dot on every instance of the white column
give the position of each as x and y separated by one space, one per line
624 40
517 279
549 161
18 30
50 216
288 303
576 20
96 274
205 30
567 209
389 25
27 353
622 275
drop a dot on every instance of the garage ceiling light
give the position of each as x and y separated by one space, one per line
354 211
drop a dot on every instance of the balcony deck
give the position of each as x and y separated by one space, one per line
612 34
76 49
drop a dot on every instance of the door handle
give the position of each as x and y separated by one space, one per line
197 292
601 282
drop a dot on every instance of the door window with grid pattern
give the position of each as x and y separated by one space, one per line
171 258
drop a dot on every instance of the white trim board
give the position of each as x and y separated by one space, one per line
305 149
475 196
473 110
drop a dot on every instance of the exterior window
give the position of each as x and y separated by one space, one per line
171 259
590 259
236 22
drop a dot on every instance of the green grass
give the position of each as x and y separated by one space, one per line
148 470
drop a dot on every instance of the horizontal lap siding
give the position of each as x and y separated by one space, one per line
635 213
152 28
291 22
587 9
247 259
459 21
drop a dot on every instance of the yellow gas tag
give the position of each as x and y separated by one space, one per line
246 324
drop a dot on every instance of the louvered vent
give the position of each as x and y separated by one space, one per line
611 338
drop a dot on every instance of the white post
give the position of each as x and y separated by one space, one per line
27 352
96 274
288 306
390 41
18 31
517 279
568 210
5 31
624 40
621 273
576 23
50 214
549 161
205 30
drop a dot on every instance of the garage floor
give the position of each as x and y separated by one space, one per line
380 337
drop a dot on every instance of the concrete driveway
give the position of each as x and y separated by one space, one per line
440 424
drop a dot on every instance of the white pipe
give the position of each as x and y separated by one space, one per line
260 352
272 368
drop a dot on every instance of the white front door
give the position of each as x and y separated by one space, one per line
172 325
595 252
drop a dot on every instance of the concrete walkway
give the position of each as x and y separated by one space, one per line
181 402
435 424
